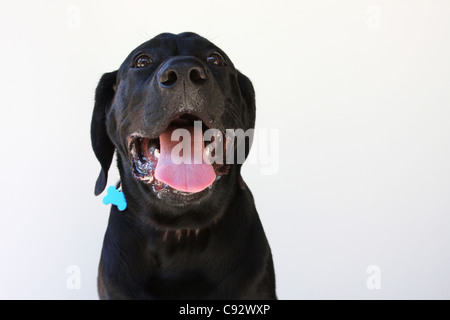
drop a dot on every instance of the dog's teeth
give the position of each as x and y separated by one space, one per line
149 178
157 154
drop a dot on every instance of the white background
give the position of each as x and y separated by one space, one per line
359 91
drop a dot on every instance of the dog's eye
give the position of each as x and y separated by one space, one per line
142 61
216 59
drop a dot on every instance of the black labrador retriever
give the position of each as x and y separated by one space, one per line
189 231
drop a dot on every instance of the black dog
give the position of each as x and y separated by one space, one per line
183 235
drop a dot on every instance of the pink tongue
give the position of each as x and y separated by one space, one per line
191 175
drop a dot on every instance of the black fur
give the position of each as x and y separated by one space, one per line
208 246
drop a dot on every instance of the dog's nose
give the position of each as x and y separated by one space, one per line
177 70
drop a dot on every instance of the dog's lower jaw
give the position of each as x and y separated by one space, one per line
181 220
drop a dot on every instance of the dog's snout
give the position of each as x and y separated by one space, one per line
182 69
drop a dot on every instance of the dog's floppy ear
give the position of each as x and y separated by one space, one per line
248 93
249 117
102 145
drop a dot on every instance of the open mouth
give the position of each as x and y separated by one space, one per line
186 158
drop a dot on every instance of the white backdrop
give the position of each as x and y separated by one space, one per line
358 91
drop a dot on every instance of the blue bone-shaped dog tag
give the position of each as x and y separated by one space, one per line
116 198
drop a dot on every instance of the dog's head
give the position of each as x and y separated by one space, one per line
170 87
